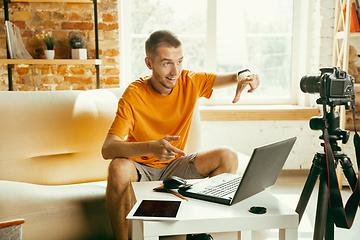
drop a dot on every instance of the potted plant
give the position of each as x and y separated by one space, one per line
49 39
77 43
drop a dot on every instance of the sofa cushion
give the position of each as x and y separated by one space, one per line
55 137
76 211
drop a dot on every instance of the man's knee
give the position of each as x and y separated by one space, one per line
228 153
229 157
122 171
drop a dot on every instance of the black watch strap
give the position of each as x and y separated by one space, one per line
242 71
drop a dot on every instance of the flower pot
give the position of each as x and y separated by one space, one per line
49 54
80 53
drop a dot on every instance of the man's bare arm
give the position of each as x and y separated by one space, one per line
243 80
115 147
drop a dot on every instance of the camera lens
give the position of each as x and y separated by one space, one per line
310 84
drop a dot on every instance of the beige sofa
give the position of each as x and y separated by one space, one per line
52 173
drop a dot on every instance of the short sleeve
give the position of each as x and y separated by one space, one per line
124 121
204 82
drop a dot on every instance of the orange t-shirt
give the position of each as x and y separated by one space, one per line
145 115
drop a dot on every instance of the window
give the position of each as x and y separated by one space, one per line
220 36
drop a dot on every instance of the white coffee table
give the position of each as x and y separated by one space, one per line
205 217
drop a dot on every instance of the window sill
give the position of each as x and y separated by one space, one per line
257 113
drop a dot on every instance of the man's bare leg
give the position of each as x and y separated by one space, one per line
217 161
214 162
122 172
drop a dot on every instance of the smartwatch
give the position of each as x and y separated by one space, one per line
242 71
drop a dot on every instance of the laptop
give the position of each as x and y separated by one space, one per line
261 172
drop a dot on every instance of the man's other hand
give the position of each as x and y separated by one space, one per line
250 79
164 151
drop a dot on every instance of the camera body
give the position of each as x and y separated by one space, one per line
335 86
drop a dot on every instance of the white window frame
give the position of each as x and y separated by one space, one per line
300 50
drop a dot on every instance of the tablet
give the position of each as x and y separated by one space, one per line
156 210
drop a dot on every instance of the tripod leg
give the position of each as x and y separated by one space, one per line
329 232
308 187
322 207
348 171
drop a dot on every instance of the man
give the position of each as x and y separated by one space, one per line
147 138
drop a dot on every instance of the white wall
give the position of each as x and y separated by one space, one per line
244 136
322 34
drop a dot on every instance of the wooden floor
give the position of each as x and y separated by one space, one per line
288 189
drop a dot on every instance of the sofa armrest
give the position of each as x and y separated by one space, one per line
11 230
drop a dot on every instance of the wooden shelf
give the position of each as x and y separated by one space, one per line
341 35
355 34
52 61
57 1
97 62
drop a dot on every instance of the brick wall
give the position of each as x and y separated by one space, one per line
63 19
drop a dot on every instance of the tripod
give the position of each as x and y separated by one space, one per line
324 224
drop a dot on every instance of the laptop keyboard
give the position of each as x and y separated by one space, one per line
222 188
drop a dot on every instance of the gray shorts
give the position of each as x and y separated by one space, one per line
183 167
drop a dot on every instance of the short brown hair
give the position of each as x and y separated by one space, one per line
161 38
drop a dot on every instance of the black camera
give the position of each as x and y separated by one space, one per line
334 85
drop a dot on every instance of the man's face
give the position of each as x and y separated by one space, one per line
166 66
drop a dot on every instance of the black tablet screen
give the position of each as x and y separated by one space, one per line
158 208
